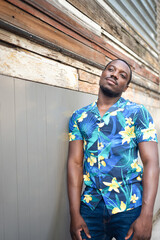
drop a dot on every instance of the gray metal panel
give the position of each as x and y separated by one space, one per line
33 157
141 15
8 170
22 159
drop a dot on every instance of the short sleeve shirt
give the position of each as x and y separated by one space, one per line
111 169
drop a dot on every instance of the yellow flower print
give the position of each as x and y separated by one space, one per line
129 121
100 145
127 134
71 136
129 209
84 144
101 161
135 165
84 115
88 198
100 158
75 125
122 208
114 113
139 178
94 103
101 124
134 198
114 185
86 177
92 160
149 132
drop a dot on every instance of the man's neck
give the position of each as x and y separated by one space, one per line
104 102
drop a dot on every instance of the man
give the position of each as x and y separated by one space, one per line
107 134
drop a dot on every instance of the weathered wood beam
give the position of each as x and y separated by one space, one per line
81 47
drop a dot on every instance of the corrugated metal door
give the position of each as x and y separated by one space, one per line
141 15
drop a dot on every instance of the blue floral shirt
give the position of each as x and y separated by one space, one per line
111 168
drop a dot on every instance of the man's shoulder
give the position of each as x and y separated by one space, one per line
81 111
132 105
85 108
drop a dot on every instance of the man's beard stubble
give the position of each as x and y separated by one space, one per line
109 93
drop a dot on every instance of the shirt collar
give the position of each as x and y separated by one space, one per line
119 104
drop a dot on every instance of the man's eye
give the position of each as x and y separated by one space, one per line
123 76
110 69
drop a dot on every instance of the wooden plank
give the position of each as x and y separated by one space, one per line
51 54
66 24
88 87
87 77
31 46
119 29
30 66
103 19
33 25
95 41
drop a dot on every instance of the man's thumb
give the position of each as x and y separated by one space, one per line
130 232
85 228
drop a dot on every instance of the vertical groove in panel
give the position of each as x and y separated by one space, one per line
16 158
42 167
51 159
9 181
33 158
28 180
2 230
21 155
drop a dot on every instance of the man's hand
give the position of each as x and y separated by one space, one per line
77 225
141 229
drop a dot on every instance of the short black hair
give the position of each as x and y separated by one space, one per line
125 63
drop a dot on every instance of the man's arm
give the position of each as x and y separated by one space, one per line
142 227
75 181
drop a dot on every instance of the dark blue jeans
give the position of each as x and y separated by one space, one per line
102 226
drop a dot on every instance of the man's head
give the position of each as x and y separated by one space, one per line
115 78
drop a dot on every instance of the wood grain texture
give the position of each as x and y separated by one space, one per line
88 87
26 65
120 30
88 77
38 27
95 50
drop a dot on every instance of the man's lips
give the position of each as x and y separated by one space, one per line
111 80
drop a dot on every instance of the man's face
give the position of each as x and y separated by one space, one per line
114 79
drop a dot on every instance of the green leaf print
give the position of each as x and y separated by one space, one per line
106 150
106 119
121 119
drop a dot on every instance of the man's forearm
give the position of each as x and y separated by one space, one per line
75 181
150 186
150 159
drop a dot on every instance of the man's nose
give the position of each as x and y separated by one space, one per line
114 75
